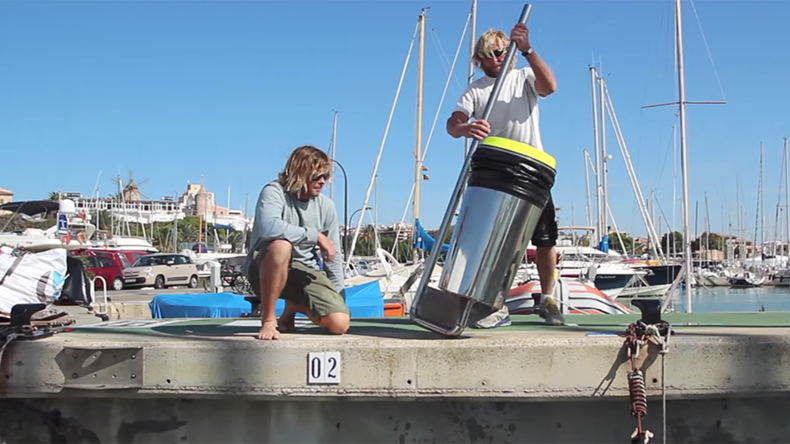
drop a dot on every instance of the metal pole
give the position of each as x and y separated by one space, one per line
684 174
599 229
604 161
587 186
472 42
787 194
461 182
345 208
418 143
333 154
175 222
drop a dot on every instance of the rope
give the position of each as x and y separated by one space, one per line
639 335
707 48
381 148
664 351
433 127
8 339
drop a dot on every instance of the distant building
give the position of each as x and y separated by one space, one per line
6 196
195 201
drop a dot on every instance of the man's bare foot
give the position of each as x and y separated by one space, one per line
286 324
287 321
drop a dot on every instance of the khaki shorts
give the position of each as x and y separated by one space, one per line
305 286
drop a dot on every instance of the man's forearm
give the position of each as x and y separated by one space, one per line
454 130
456 124
543 74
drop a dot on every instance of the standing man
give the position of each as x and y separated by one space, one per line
292 218
515 116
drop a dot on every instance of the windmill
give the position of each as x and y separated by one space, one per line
128 193
131 192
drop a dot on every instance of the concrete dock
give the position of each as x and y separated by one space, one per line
210 380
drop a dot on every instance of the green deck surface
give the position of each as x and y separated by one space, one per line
403 327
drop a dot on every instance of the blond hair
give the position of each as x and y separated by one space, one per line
302 164
488 42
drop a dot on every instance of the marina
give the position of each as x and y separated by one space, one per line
135 319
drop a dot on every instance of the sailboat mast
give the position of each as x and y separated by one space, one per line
604 166
674 186
587 186
598 210
471 72
787 195
684 173
333 155
762 200
707 229
418 142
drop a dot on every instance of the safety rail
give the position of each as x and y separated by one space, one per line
93 296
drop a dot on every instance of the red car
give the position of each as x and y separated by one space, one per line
109 264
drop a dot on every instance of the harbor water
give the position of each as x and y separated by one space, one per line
726 299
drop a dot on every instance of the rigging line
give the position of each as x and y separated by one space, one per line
779 195
446 84
355 237
654 60
433 126
707 48
444 54
663 163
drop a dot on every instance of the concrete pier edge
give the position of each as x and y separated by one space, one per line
484 365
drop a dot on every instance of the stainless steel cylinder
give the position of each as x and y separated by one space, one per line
508 185
491 234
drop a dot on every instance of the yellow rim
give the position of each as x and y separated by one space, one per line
521 148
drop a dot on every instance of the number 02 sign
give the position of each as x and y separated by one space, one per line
323 368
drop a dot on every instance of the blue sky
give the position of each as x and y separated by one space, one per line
179 90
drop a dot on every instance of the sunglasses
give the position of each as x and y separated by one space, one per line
495 53
315 177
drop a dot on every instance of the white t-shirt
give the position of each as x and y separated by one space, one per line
515 115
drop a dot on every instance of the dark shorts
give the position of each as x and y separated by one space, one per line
305 286
545 234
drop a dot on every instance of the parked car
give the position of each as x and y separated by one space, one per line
109 264
161 270
108 267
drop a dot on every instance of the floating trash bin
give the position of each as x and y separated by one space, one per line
508 185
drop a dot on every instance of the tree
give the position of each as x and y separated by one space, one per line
715 241
625 247
669 239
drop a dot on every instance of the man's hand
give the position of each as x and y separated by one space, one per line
326 246
520 35
269 330
477 129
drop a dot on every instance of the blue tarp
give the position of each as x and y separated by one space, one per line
604 245
364 301
425 241
199 305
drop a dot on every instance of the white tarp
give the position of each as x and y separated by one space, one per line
31 278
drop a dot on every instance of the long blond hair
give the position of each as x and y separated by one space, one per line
488 41
300 167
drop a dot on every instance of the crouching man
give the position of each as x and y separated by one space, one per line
292 218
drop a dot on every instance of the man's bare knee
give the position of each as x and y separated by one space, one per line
336 323
278 253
